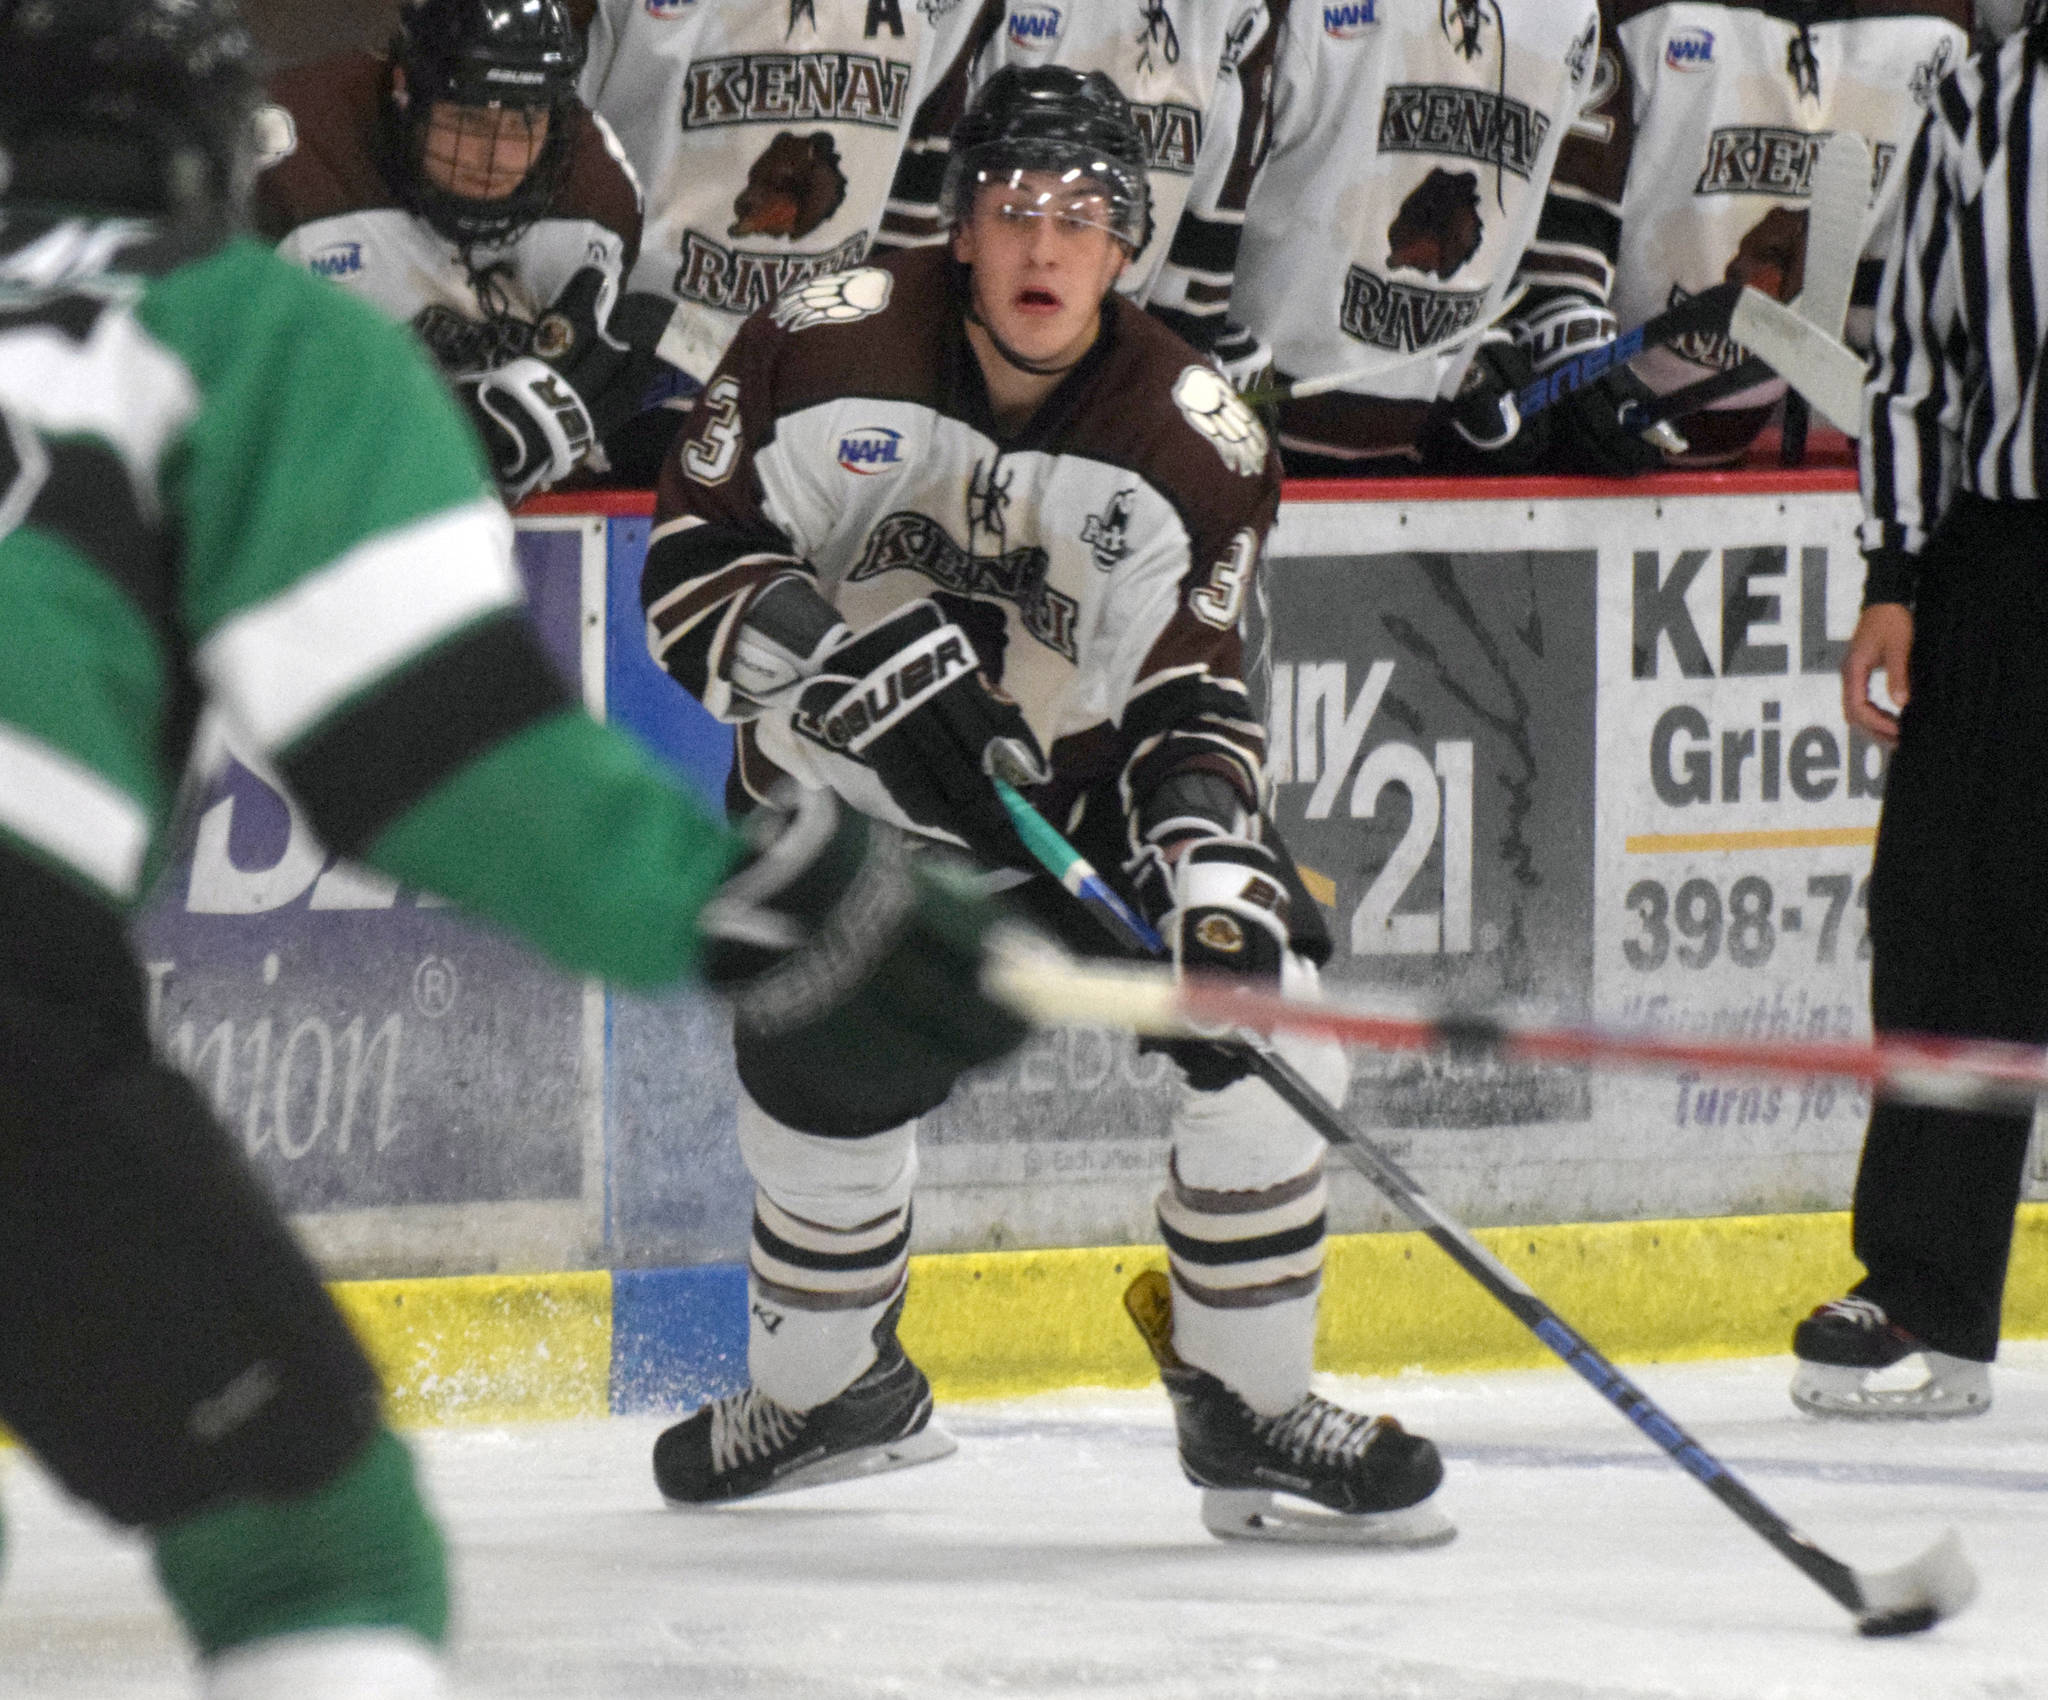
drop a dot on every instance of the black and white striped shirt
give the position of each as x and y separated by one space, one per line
1954 400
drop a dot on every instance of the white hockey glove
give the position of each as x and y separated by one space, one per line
535 427
1227 912
906 698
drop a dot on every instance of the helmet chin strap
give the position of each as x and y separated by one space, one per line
1010 356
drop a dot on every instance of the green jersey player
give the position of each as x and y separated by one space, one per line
226 485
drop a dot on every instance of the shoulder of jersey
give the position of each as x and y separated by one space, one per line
319 143
1171 391
601 185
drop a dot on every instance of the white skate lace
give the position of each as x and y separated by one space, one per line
1863 1312
1313 1429
744 1425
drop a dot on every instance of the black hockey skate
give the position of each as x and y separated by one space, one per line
1368 1476
1845 1349
745 1444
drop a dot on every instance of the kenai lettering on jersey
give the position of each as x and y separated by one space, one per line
1403 317
1462 123
735 281
917 543
803 88
1351 19
1759 159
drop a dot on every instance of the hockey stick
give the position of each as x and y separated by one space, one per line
1839 201
1271 395
1915 1596
1956 1074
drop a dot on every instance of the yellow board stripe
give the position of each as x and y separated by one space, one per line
985 1325
487 1348
1787 838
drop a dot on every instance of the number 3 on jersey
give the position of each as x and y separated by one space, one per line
1219 602
714 451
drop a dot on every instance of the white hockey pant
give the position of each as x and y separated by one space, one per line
1243 1215
829 1253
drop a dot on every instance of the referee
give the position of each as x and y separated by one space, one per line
1955 615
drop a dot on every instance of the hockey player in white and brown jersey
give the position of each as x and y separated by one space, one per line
969 495
1730 105
1428 162
1198 76
460 186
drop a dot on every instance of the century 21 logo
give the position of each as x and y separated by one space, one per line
1317 733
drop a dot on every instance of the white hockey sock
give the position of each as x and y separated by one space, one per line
830 1250
328 1664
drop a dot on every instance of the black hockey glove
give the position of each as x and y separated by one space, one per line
854 970
1585 434
1222 907
1482 430
907 698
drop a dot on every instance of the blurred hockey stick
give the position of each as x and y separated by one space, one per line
1915 1596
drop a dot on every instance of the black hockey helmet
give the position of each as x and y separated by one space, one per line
1049 118
143 106
519 54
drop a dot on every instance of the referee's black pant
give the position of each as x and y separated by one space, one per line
1959 919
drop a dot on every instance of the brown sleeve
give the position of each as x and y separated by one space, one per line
713 547
1578 234
910 217
599 187
334 106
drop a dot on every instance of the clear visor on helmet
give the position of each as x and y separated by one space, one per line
1097 195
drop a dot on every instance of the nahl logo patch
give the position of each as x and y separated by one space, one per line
1689 50
1208 403
1351 19
1035 27
340 259
872 449
838 298
861 716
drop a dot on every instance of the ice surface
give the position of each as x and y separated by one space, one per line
1059 1554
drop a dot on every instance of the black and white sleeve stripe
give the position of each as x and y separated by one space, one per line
1954 400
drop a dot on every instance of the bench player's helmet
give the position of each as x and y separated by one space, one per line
478 55
136 106
1048 118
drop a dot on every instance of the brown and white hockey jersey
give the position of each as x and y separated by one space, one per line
1731 104
765 133
1198 76
1409 189
327 202
1099 560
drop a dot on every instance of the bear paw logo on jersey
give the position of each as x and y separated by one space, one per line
1035 27
791 189
1438 227
1208 403
1349 19
1689 49
837 298
872 449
